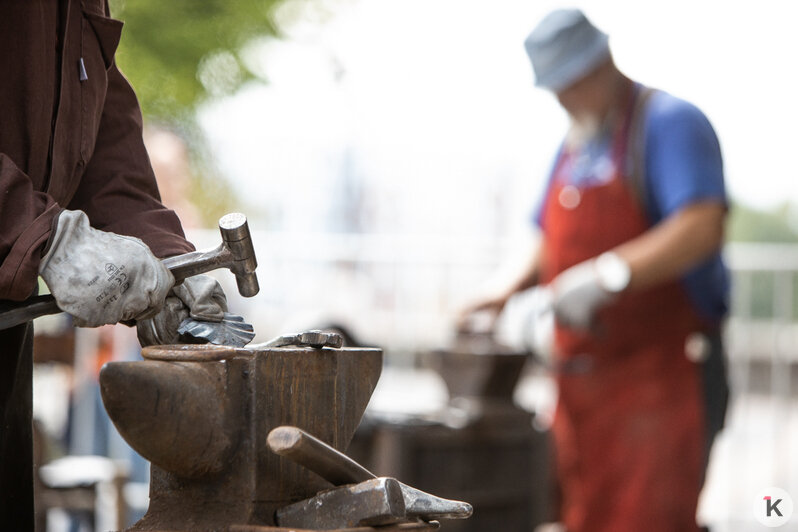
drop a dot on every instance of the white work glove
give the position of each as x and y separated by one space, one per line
100 277
582 290
527 322
199 297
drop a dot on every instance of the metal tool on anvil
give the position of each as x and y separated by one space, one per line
235 253
375 502
315 338
310 452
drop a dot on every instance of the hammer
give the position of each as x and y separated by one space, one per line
333 466
236 253
373 502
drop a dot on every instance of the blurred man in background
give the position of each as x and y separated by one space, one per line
632 225
79 206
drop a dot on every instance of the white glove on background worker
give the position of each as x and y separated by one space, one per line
100 277
199 296
527 322
582 290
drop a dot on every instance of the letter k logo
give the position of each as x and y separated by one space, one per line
778 507
772 506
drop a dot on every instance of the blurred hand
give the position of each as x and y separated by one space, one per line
578 294
527 323
492 306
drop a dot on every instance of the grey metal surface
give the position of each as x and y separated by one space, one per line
236 253
316 339
374 502
337 468
427 506
310 452
12 313
232 330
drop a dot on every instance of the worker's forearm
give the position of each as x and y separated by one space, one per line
675 245
530 275
527 278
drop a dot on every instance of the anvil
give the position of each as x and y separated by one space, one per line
201 414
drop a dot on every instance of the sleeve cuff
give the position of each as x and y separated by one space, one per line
20 268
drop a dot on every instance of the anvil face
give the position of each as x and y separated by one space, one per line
201 415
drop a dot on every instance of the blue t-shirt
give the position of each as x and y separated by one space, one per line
683 165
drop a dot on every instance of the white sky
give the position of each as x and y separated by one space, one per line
434 101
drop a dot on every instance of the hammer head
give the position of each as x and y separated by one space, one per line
374 502
237 238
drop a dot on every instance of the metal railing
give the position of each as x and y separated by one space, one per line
759 446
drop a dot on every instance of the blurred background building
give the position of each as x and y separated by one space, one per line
389 154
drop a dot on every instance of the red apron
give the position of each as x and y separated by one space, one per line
629 424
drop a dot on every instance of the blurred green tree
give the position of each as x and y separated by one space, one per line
181 53
775 225
747 224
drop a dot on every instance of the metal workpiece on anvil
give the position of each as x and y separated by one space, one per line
377 502
401 527
201 414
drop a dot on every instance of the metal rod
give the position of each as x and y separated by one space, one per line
330 464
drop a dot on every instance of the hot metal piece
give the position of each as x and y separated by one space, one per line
374 502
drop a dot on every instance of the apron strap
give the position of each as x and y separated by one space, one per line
636 148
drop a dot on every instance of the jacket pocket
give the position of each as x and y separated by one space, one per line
99 39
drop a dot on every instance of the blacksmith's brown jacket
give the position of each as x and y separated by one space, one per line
70 137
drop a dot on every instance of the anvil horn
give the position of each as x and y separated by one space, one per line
171 413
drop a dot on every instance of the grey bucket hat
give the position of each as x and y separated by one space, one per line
565 47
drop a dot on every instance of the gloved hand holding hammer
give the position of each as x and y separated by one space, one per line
100 277
104 278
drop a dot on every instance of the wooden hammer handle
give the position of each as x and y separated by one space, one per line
315 455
